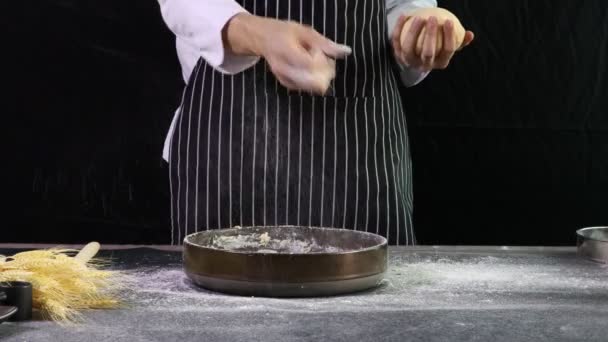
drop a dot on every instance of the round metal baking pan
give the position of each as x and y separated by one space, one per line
344 261
592 243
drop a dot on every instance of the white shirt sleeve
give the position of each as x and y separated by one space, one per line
198 27
394 8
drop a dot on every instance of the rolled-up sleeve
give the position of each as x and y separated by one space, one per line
199 25
395 8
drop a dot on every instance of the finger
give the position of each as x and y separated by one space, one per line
397 52
429 46
317 41
396 36
335 50
305 70
319 58
287 83
449 46
308 81
294 86
409 41
315 79
297 80
296 56
283 72
324 71
449 38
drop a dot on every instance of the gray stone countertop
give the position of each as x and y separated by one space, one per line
430 294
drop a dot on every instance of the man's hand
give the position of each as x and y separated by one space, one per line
430 58
298 56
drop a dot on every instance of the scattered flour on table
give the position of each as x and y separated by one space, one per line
493 274
412 282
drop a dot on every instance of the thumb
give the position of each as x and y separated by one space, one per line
316 41
468 39
335 50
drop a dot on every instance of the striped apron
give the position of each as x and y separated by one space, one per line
248 152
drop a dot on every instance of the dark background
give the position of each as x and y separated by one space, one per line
510 144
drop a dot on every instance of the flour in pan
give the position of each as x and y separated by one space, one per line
263 243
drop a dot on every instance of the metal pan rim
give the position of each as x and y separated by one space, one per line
581 233
383 242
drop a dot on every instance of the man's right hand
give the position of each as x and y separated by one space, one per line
298 56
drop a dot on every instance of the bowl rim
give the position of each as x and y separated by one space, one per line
581 233
383 241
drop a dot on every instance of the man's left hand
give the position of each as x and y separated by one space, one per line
430 58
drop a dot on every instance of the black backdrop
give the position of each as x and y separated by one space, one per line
510 144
